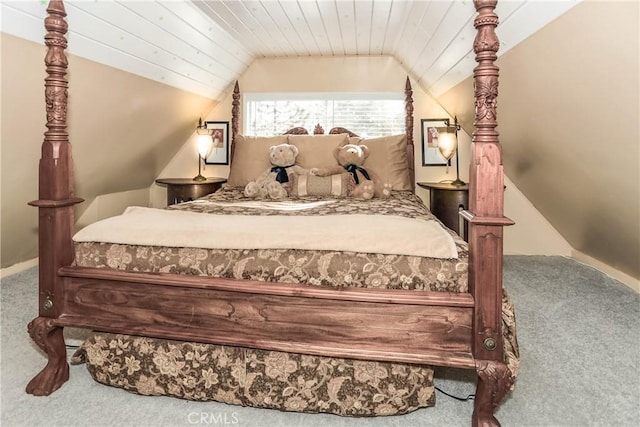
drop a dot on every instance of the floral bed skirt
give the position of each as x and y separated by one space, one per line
258 378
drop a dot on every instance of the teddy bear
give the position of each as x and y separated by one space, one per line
274 182
351 158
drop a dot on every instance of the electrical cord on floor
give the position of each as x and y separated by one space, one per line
462 399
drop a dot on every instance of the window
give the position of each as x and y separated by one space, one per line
366 114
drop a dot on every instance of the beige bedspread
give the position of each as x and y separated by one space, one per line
381 234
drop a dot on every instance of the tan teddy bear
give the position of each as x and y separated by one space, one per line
351 157
273 183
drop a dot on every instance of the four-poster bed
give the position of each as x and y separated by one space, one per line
180 306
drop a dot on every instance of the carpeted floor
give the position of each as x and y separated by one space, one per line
579 335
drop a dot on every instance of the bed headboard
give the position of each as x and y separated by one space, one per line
319 130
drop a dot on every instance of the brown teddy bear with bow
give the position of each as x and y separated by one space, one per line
273 183
351 157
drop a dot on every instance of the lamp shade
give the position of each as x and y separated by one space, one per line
447 145
204 145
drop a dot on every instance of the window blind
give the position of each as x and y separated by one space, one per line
366 114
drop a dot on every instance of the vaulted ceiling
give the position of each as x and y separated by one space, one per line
203 46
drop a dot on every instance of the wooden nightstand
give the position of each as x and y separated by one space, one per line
186 189
445 201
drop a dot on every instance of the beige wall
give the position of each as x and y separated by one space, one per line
532 234
568 114
123 129
152 127
581 169
313 75
317 75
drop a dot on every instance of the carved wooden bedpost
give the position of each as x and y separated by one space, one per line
486 217
55 207
235 117
408 128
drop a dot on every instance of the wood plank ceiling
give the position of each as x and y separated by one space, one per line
203 46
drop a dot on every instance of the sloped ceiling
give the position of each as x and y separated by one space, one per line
203 46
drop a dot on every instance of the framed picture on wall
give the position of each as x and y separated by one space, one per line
431 130
219 154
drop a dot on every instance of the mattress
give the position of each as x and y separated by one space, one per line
319 267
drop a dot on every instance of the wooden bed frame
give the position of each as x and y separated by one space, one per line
434 328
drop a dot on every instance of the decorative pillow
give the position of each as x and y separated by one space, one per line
388 158
316 151
310 185
251 158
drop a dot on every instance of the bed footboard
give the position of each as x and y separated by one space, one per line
422 327
431 328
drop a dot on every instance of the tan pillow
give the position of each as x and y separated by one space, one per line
251 158
316 151
310 185
388 158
